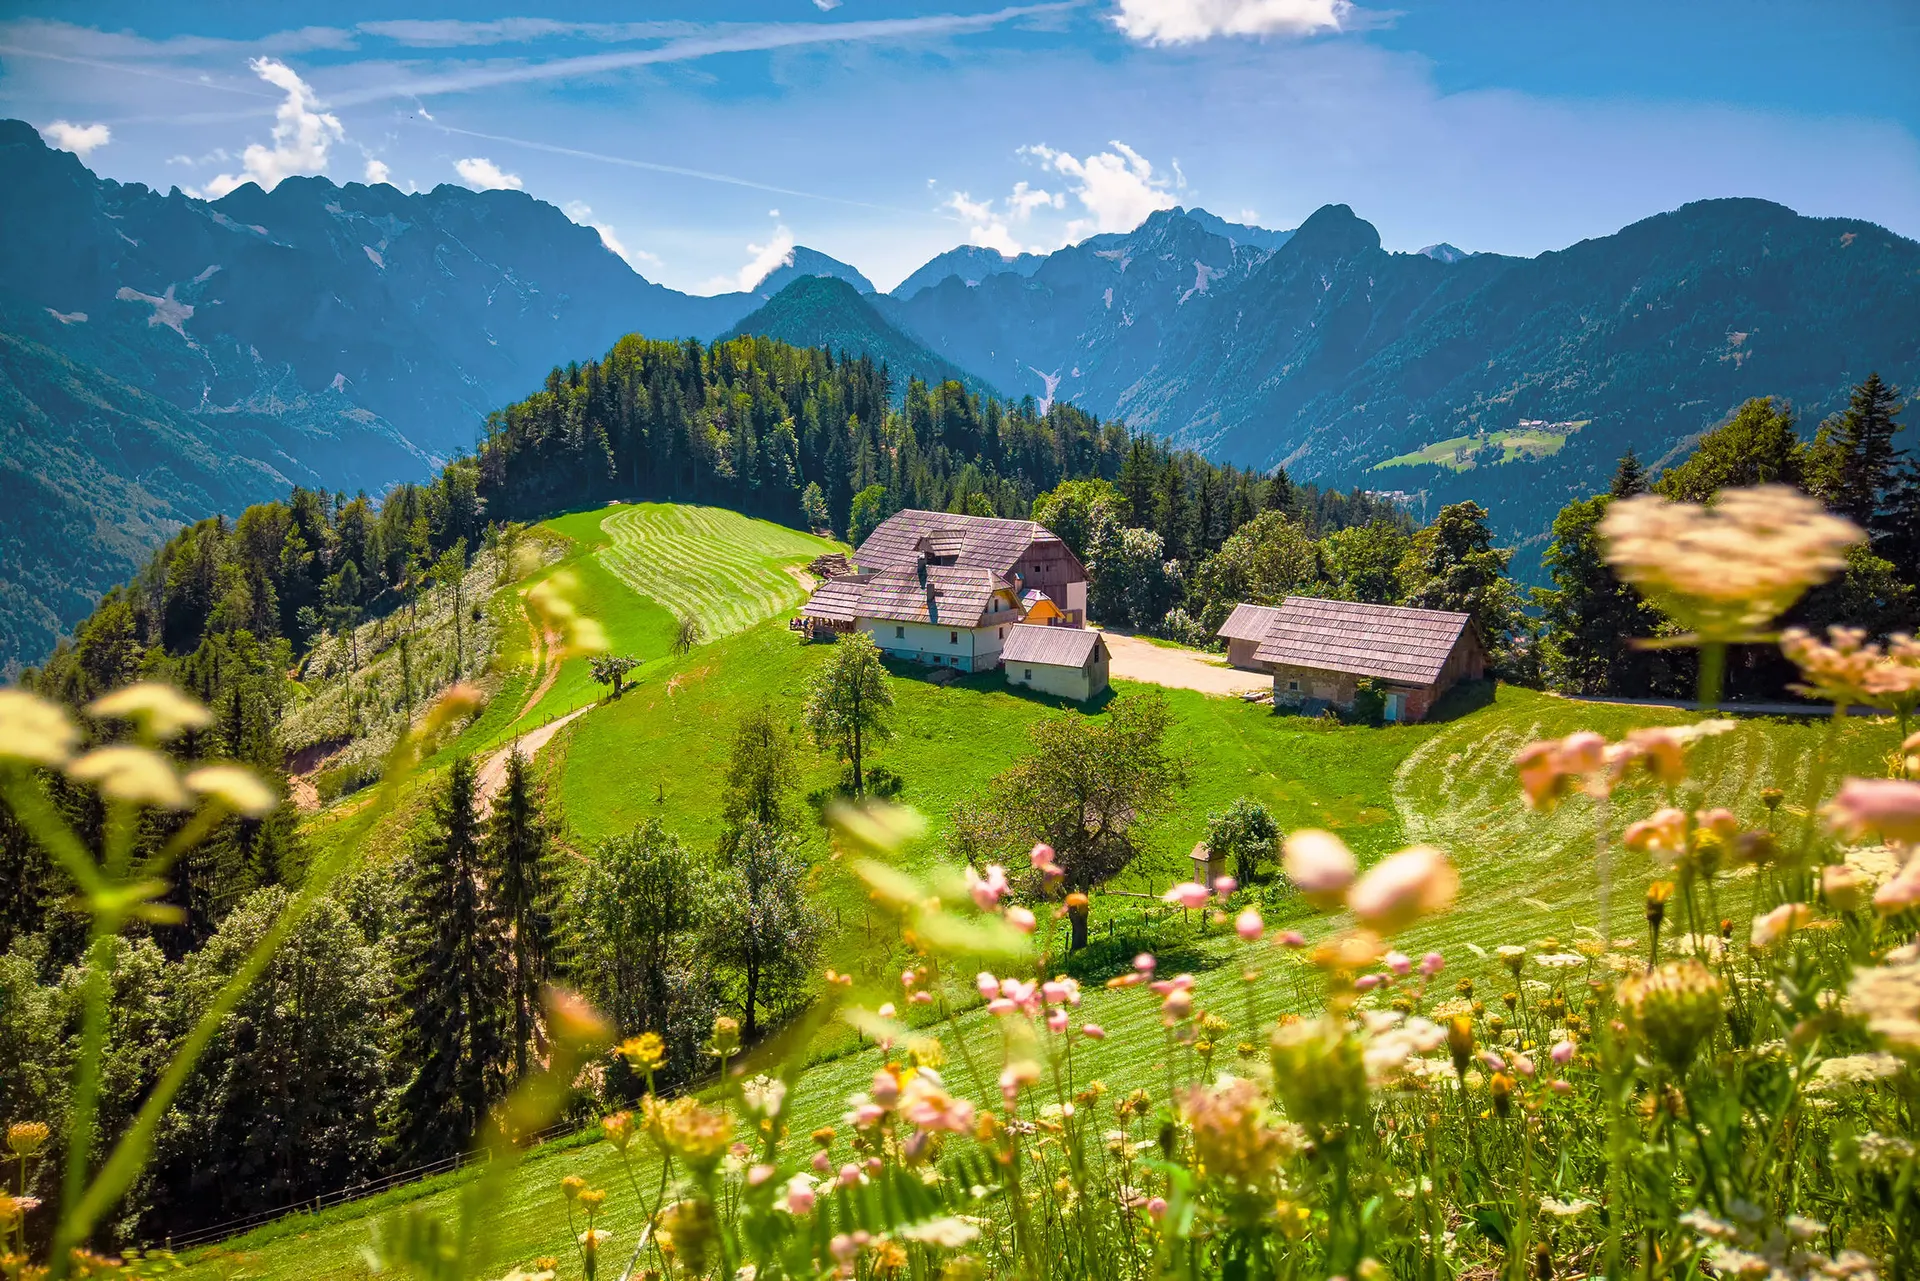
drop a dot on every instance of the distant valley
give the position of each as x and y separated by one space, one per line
163 358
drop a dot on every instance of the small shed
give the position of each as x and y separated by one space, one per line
1067 662
1243 631
1041 611
1320 650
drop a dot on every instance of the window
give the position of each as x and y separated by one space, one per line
953 638
899 633
1293 686
1026 674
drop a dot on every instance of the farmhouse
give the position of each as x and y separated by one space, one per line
1028 556
1067 662
942 615
1320 650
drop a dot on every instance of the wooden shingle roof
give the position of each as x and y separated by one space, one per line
1249 622
978 542
959 596
1391 642
1050 646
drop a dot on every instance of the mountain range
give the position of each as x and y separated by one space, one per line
164 357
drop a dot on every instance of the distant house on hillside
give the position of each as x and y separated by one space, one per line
1030 557
1068 662
1319 651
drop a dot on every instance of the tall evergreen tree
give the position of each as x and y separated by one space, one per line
1852 463
1590 617
1137 476
454 999
1629 478
1171 510
520 857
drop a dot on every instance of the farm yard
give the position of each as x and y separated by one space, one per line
661 752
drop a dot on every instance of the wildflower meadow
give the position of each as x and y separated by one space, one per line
1729 1092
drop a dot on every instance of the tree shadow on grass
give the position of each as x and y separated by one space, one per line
1462 700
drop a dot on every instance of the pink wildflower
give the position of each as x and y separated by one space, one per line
989 986
886 1088
1290 938
1224 885
800 1196
1144 963
1056 1020
1248 925
1399 962
849 1175
1021 919
1886 807
1431 964
759 1174
1187 894
987 890
1320 865
1042 857
1523 1065
1157 1207
1367 982
1093 1031
1563 1053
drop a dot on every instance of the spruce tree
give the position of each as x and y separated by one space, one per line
1629 478
520 856
1866 471
453 986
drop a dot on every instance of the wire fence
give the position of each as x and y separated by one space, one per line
340 1196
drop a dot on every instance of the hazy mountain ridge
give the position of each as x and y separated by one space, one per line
827 311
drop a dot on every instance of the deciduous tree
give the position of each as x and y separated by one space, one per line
849 702
764 930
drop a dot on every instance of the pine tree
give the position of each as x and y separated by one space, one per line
1282 496
1137 476
1170 510
521 859
1629 478
1590 618
453 988
1864 460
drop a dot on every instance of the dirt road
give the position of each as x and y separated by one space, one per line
1138 660
493 771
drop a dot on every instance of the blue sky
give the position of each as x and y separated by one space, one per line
704 139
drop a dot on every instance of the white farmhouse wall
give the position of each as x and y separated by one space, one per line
975 649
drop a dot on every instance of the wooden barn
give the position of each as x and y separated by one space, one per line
1320 650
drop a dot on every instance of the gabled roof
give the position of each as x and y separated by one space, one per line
959 596
1249 622
1391 642
1050 646
978 542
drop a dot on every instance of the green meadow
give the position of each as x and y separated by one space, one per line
661 750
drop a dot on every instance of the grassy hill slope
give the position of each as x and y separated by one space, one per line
661 751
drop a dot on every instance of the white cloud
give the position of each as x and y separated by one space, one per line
79 139
583 214
1117 188
764 261
377 171
993 228
1185 21
302 134
826 6
483 175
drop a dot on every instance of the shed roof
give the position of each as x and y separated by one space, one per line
958 596
981 542
1249 622
1050 646
1391 642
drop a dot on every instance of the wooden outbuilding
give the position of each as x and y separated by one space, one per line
1067 662
1320 650
1243 631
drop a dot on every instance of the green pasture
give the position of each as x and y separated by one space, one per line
1456 453
660 751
